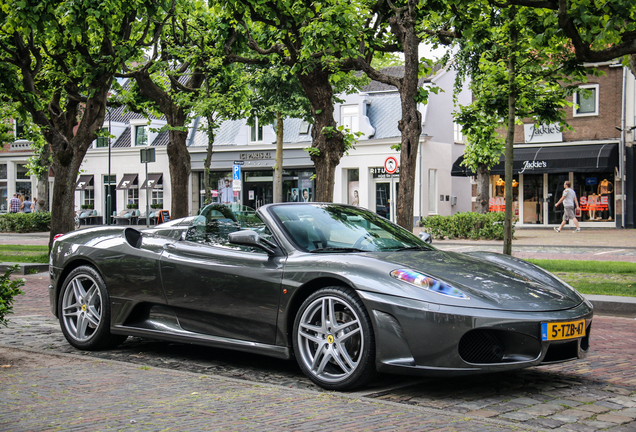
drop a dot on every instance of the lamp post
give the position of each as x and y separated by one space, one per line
109 204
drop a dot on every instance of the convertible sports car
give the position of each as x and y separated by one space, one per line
341 289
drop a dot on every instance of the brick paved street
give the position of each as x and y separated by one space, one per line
147 385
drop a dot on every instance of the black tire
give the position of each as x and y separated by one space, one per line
84 311
340 355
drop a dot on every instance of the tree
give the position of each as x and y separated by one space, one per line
311 39
514 76
277 95
166 83
58 60
598 31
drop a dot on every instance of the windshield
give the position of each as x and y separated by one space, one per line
336 228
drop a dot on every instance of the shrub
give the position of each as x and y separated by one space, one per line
467 225
25 222
8 289
132 206
156 206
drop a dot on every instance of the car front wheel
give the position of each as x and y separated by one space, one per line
333 339
84 311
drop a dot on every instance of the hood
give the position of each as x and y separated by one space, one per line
489 285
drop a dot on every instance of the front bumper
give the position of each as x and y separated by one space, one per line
415 337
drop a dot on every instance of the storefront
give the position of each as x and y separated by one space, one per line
257 177
539 174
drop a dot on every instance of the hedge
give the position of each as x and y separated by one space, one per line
468 225
25 222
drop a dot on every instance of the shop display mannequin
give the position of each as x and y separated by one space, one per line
605 188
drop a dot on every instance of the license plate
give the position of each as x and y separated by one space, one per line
562 330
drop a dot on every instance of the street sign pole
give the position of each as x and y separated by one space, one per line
147 155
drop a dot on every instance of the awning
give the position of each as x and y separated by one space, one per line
153 181
553 159
84 181
127 182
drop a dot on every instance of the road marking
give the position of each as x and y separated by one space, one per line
610 251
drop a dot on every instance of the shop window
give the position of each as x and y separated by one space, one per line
89 198
133 197
432 191
102 140
349 117
157 197
256 131
586 101
141 135
595 192
497 201
353 182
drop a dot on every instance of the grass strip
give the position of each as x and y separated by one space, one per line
601 267
35 254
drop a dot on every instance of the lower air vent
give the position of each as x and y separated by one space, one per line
481 346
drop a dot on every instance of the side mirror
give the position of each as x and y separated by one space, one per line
252 239
426 237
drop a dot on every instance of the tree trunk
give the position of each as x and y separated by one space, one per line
483 189
410 125
208 162
278 168
510 137
43 180
179 161
327 141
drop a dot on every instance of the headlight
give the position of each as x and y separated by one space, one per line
428 283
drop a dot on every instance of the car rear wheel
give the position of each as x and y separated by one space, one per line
333 339
84 311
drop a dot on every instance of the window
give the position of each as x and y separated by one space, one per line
432 191
304 128
349 117
457 133
157 196
586 102
141 135
3 171
112 179
133 197
102 141
89 198
256 132
353 177
22 172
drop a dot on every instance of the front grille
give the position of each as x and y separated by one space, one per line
481 346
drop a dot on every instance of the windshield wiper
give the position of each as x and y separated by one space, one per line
420 248
337 249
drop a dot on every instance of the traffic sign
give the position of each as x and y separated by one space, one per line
236 172
391 165
236 185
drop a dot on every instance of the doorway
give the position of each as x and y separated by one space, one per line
385 202
555 191
113 200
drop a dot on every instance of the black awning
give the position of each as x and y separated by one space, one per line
554 159
127 182
153 181
84 181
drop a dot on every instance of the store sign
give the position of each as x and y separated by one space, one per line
498 204
542 133
594 203
380 172
531 165
255 156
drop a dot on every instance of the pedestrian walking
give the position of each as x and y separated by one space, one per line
14 204
27 205
569 204
34 207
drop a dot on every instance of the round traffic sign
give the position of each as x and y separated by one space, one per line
390 165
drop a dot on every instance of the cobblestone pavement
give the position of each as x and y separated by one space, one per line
596 393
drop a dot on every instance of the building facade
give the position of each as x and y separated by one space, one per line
592 156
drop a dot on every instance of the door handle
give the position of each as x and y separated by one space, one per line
169 246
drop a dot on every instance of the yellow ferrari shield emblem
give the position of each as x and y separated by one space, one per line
330 339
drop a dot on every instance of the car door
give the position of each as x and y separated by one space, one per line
220 289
